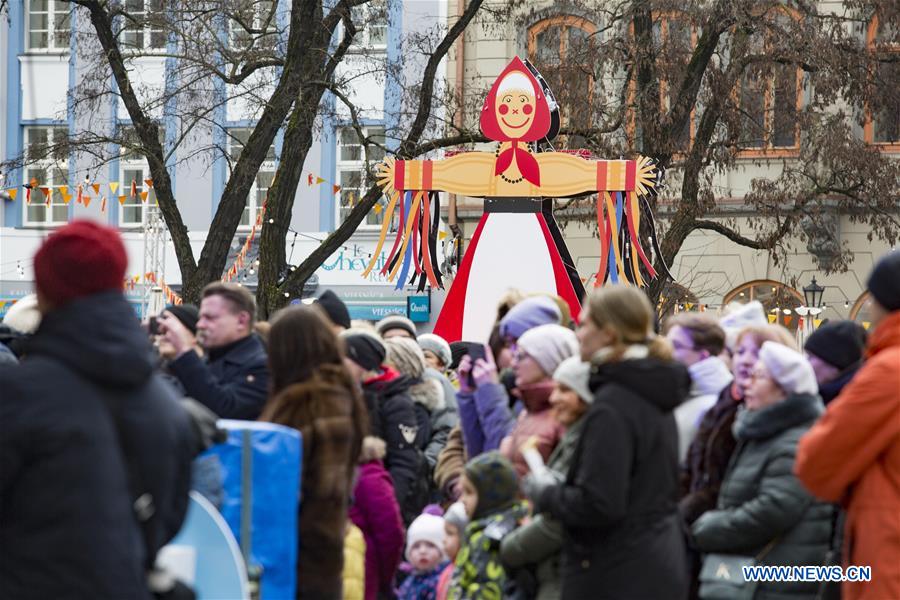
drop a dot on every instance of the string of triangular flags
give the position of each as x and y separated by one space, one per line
81 192
170 295
313 179
241 258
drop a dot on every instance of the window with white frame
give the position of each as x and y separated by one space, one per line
237 139
48 167
48 24
133 173
252 23
351 170
144 30
371 21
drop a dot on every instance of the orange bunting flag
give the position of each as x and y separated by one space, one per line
46 191
113 186
33 183
96 187
144 196
103 204
149 183
66 198
133 187
335 188
12 193
122 199
63 190
788 321
86 200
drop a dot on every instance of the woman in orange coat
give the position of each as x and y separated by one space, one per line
852 454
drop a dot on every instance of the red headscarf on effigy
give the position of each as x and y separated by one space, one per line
526 163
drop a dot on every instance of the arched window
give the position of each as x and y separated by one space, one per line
862 309
560 47
770 93
778 300
882 126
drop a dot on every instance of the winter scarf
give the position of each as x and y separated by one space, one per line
766 422
422 586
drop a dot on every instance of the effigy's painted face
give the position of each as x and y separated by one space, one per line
515 112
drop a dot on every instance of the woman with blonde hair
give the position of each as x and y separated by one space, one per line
618 503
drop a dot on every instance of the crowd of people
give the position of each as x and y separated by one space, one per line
615 457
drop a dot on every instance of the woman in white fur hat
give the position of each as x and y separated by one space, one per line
540 352
763 512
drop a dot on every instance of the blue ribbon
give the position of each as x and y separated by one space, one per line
613 266
407 258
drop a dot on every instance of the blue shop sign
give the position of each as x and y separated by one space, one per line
418 308
375 311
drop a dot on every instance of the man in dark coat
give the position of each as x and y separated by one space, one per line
392 417
85 428
234 382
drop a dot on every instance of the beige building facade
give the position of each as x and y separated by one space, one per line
710 269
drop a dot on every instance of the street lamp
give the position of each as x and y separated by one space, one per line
812 294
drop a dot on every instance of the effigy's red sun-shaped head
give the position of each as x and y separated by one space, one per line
515 108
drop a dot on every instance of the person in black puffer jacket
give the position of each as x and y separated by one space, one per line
84 421
618 503
763 510
392 417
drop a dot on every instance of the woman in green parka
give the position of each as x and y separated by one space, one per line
537 544
763 510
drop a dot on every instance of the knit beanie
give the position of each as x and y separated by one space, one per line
790 369
24 316
529 313
80 259
839 343
186 313
495 481
395 322
574 374
456 516
457 351
884 282
335 309
437 345
549 345
426 528
742 316
365 349
406 356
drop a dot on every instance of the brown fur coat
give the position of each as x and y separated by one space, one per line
329 413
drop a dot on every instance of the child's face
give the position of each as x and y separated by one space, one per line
451 540
468 496
424 556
